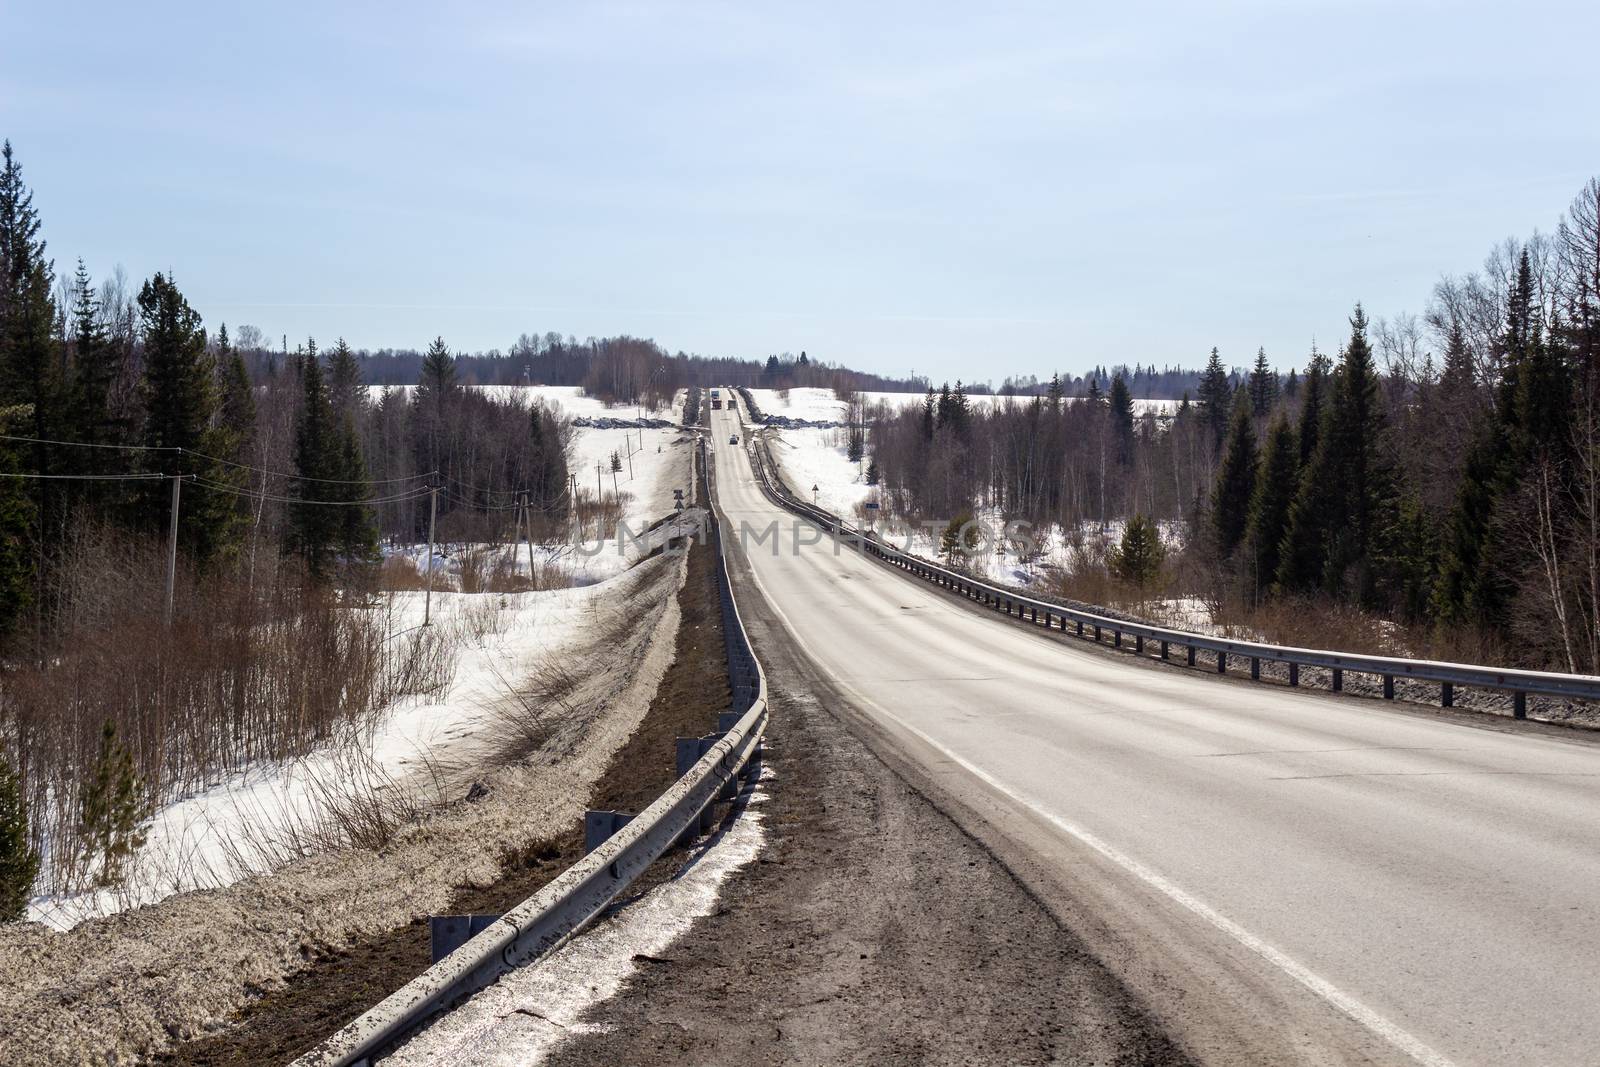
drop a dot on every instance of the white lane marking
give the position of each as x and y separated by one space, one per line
1338 998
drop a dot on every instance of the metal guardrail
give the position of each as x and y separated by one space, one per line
575 898
1043 613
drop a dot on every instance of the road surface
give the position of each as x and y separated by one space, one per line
1280 876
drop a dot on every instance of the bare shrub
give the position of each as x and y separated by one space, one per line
252 667
401 574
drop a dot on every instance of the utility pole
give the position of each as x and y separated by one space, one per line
630 466
172 546
527 529
433 514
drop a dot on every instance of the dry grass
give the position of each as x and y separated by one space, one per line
254 668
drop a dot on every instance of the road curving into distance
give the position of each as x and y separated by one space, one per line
1280 875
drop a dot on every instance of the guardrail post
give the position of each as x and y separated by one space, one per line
1447 695
1222 663
1191 654
1388 687
1255 668
1118 638
1036 617
1294 674
1097 634
1138 643
1164 649
1519 705
598 826
446 933
1080 627
1338 680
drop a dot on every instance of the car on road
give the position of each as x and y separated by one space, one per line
734 439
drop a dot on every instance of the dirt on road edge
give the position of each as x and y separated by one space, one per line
872 930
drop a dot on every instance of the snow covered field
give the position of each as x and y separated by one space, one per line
820 405
570 398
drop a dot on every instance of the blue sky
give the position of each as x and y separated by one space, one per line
963 190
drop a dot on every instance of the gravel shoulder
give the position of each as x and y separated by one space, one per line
873 929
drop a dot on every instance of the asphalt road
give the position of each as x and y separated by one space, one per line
1280 876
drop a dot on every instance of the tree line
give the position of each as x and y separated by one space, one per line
1441 469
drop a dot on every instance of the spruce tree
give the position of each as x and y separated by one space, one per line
111 809
180 400
1216 396
314 523
432 403
1312 406
1263 386
18 517
237 409
1138 557
1230 501
29 367
357 539
19 861
1122 417
1277 479
346 390
94 375
1341 518
27 309
1457 377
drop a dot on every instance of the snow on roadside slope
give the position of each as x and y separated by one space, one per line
660 463
523 1017
251 821
817 457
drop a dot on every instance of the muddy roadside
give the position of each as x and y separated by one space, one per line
286 1022
873 930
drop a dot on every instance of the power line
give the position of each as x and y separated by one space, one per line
221 487
88 477
180 450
